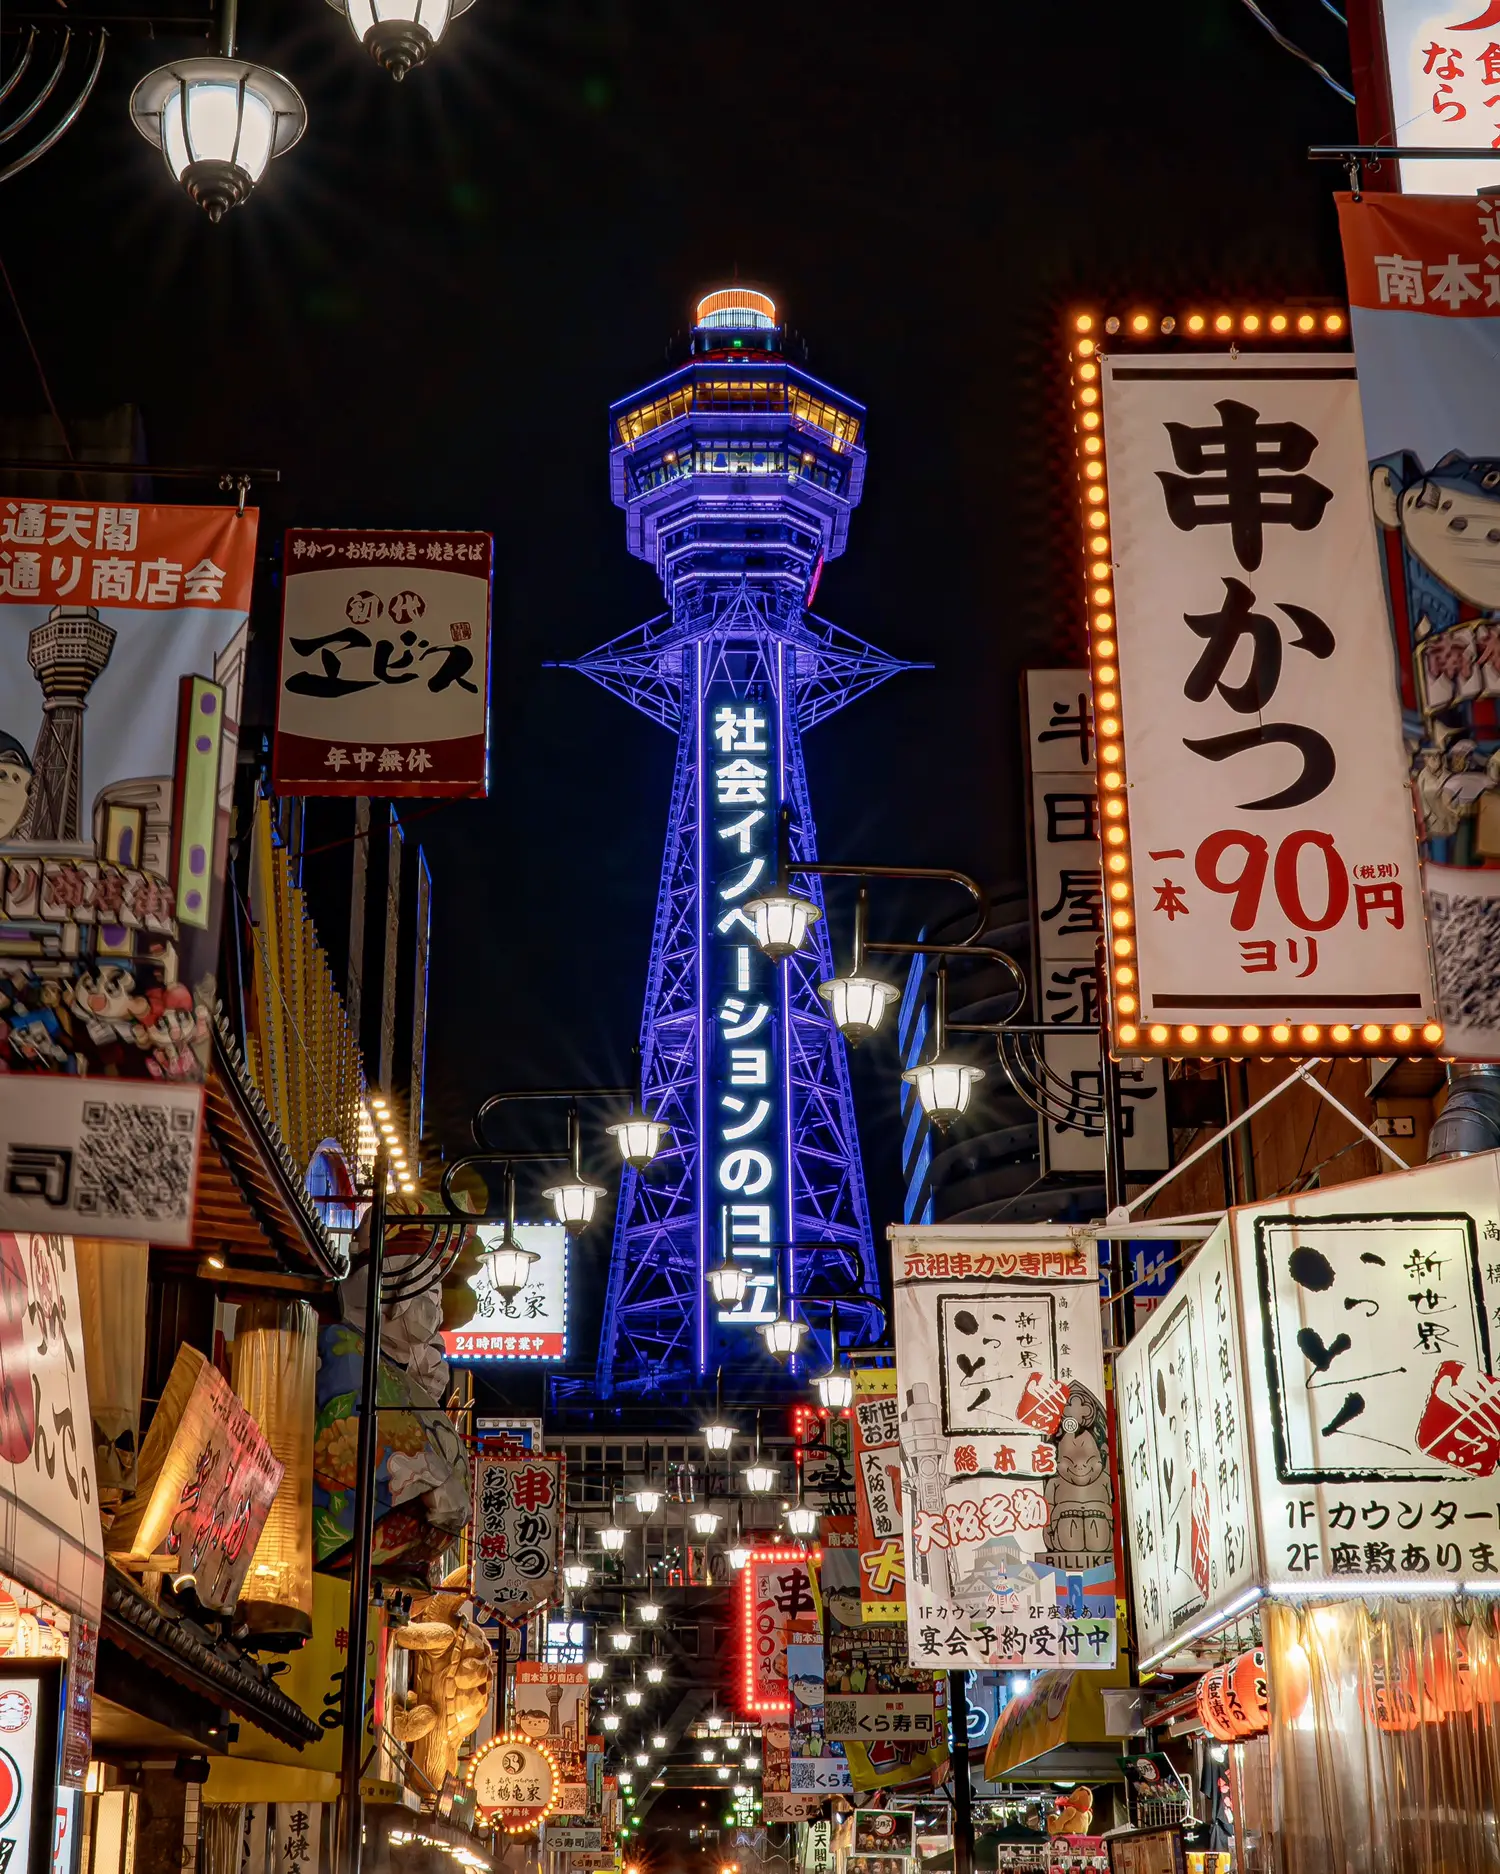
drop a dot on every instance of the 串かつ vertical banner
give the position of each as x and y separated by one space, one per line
1009 1500
122 645
1260 859
1424 295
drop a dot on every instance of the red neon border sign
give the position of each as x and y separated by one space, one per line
753 1705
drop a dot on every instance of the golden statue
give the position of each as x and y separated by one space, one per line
452 1679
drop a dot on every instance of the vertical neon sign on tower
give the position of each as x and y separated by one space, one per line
737 473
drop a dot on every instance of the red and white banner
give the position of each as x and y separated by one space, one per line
1261 865
384 685
517 1531
123 634
1424 286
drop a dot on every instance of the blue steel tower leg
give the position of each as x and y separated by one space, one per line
737 474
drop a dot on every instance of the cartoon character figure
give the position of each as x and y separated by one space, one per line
35 1042
104 999
1080 1501
169 1028
15 783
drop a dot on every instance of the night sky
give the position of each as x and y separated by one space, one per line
424 311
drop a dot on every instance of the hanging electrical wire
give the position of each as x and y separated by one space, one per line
1288 45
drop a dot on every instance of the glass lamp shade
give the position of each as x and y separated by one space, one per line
649 1612
714 1721
722 1773
760 1479
857 1004
835 1389
654 1676
801 1520
218 122
752 1763
626 1778
507 1267
641 1760
612 1538
717 1435
659 1742
742 1789
782 921
728 1281
783 1337
648 1502
944 1088
399 34
739 1557
705 1522
707 1755
597 1668
611 1721
639 1139
621 1639
574 1200
577 1574
733 1743
634 1696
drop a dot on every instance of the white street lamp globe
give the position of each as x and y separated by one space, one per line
714 1721
858 1004
639 1139
801 1520
707 1755
648 1502
611 1721
597 1668
760 1479
649 1611
574 1200
218 122
752 1763
654 1676
783 1336
835 1389
507 1266
944 1088
641 1759
705 1522
612 1538
732 1742
782 921
659 1742
634 1696
722 1773
738 1556
718 1435
577 1574
621 1639
399 34
728 1282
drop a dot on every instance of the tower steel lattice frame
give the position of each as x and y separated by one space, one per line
738 620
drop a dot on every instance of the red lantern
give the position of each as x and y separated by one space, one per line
1293 1683
1247 1692
1448 1676
1213 1708
1391 1701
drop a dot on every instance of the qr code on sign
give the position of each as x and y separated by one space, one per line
134 1160
1466 949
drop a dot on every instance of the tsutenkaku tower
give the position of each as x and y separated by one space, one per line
737 473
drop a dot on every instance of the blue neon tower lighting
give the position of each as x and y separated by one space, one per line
737 473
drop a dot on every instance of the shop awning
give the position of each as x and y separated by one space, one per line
182 1651
1057 1709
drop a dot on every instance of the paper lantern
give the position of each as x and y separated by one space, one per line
1247 1692
273 1367
1448 1675
1391 1701
1293 1683
1212 1704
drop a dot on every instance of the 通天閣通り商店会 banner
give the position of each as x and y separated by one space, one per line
123 633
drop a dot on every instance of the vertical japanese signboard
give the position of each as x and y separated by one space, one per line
1429 79
1424 291
518 1513
1317 1403
777 1605
551 1702
1009 1499
28 1751
384 685
1068 900
744 1172
1260 859
122 643
1185 1454
877 1495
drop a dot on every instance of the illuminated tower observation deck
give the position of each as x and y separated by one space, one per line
737 473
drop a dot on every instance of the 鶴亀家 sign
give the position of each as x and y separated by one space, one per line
384 686
1261 886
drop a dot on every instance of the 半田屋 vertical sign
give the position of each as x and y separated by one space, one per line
1068 912
1260 863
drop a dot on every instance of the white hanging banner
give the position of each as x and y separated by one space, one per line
1009 1512
1260 855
